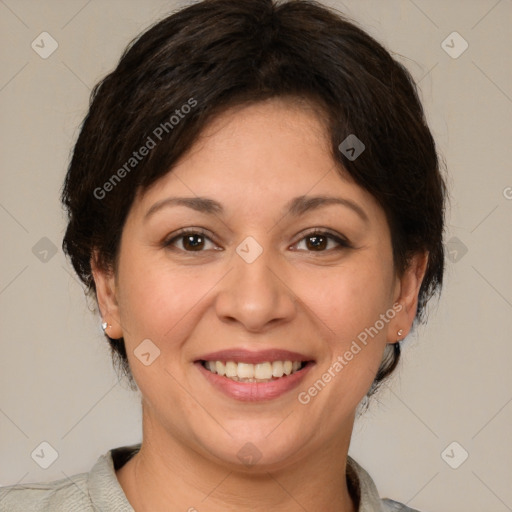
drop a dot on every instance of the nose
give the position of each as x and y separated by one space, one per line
255 295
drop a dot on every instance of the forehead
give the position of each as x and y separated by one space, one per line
256 158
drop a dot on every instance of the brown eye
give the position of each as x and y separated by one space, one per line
193 242
316 242
190 241
320 241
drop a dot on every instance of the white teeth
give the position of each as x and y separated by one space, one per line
220 367
263 371
277 369
248 372
245 370
231 369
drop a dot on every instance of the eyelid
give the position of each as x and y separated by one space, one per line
168 241
336 237
341 240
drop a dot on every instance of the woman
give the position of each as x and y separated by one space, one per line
255 202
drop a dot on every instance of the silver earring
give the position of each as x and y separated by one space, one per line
104 326
400 332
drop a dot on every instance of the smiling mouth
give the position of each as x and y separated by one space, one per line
261 372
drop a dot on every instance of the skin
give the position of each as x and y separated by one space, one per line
295 296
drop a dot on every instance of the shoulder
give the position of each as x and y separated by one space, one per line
96 490
365 489
395 506
67 494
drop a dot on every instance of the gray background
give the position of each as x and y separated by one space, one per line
455 384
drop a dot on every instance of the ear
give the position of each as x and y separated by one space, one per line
406 297
104 281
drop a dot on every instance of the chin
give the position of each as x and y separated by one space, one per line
260 449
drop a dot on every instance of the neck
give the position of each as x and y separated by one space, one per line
168 475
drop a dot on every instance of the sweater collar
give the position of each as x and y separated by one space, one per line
106 491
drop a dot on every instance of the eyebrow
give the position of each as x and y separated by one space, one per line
200 204
302 204
296 207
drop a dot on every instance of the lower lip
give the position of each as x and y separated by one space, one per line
255 391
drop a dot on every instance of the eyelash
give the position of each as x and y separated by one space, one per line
342 242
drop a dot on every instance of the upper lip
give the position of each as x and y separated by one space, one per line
240 355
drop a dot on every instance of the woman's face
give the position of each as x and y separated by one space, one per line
283 260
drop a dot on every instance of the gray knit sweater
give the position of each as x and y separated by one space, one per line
100 491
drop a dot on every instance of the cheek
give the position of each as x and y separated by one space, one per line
351 298
351 303
159 305
162 303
